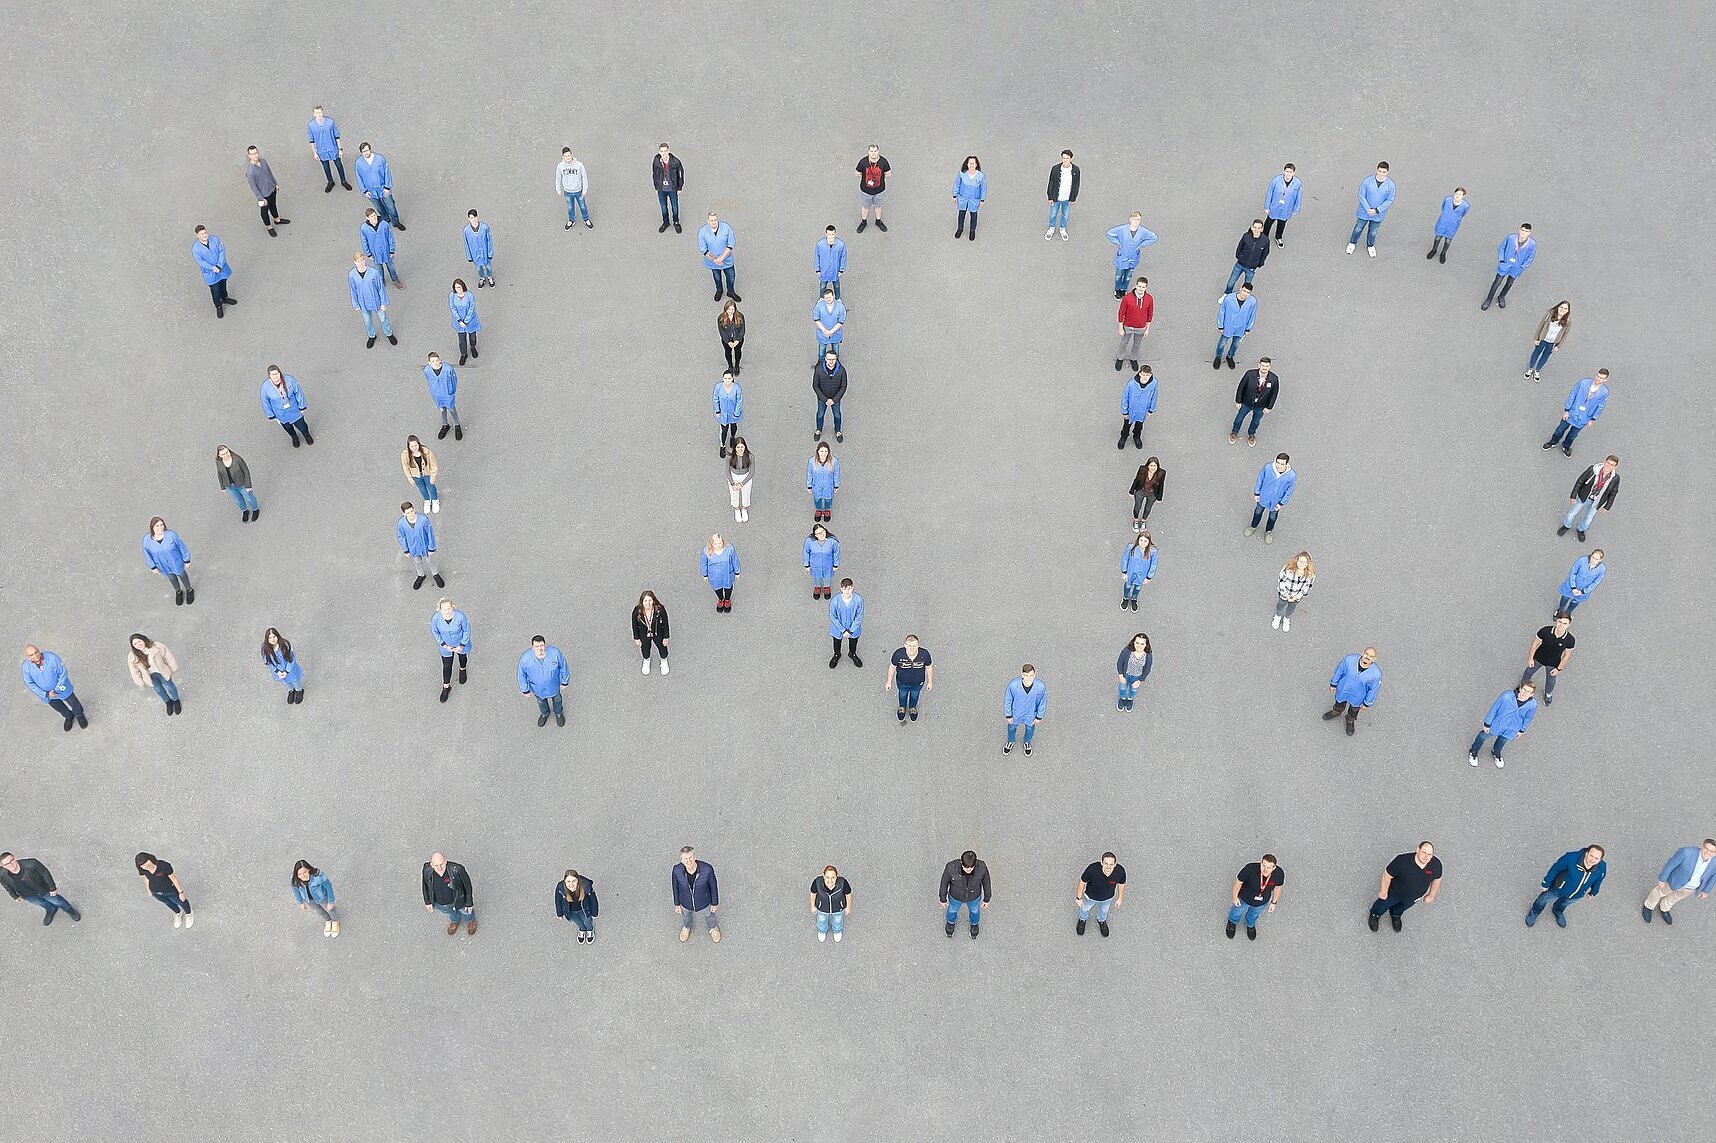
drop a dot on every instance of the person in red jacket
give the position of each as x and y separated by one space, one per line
1137 309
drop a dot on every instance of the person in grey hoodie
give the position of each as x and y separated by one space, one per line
265 190
573 181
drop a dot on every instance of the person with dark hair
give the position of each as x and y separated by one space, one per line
729 399
1551 650
1454 209
822 480
442 381
719 565
1025 704
1129 240
209 253
667 173
375 239
846 621
1137 311
970 188
282 662
649 629
730 327
1576 874
466 325
911 672
312 890
828 315
283 402
369 298
153 665
416 537
1254 396
1235 316
828 385
1274 488
542 674
831 899
695 891
575 901
1281 201
573 182
1137 402
165 887
375 179
1551 335
45 675
1354 687
1131 668
965 881
1408 879
1515 254
829 262
821 560
234 478
1375 196
1593 492
1137 568
715 243
1063 192
1689 869
1509 717
167 555
452 631
1101 888
741 466
872 184
1590 396
421 469
479 248
27 880
325 145
1249 255
447 891
265 189
1146 491
1256 889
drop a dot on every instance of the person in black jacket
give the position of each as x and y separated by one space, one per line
965 881
828 383
575 901
668 175
27 879
1146 491
1063 192
447 891
1256 393
1249 255
649 628
831 900
1593 492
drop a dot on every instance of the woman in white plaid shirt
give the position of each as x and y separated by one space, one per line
1297 579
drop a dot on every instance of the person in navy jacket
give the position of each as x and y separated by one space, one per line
575 901
1137 402
1590 396
830 262
1513 256
1587 572
417 539
1026 702
479 248
1274 488
45 675
452 631
167 555
846 621
1234 319
1577 874
1375 196
376 179
542 672
1354 686
325 145
695 891
1691 869
369 298
209 253
1281 201
1454 209
1249 255
1509 717
443 384
283 402
375 238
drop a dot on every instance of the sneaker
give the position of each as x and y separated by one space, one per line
1279 242
1498 761
1135 603
1484 305
1645 913
569 227
48 916
834 662
662 229
678 229
950 928
178 921
1063 236
1027 749
1528 375
882 226
1233 438
1079 928
1118 363
1394 922
836 938
1275 623
1373 922
1567 450
560 720
1231 929
1371 250
1547 445
1472 758
1581 534
862 223
1352 727
1563 530
1251 530
646 667
1102 927
1006 747
974 927
664 666
1286 624
1251 441
1269 538
821 937
1048 234
542 720
369 344
588 225
1537 375
1250 933
1350 249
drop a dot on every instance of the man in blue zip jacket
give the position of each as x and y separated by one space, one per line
1026 702
542 673
846 621
695 891
209 253
1516 252
830 261
1590 396
1578 874
1354 685
1274 488
1509 717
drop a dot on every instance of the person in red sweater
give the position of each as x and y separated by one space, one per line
1137 309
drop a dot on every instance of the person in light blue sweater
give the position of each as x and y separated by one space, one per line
452 631
1026 701
970 188
1454 209
369 298
1129 241
1234 319
167 556
1509 717
1354 687
1375 196
1590 396
715 243
324 136
846 621
209 253
1137 568
442 381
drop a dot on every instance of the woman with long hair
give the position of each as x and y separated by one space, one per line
649 629
282 661
1137 568
465 323
234 478
729 399
821 479
421 470
1552 334
730 325
1132 668
1146 491
312 890
168 556
152 665
452 631
1296 580
719 563
969 190
165 887
739 465
575 901
821 558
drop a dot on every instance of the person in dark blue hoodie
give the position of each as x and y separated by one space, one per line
575 901
1578 874
695 891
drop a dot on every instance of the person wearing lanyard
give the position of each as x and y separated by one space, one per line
1691 869
1593 492
1583 406
1256 888
1578 874
911 670
1408 879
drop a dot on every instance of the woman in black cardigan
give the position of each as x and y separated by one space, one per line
649 628
575 901
1146 490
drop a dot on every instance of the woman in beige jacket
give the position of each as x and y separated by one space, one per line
1552 334
153 665
421 470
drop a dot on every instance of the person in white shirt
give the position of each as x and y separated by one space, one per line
573 181
1690 870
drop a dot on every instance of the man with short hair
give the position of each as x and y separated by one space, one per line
1235 316
447 891
265 189
668 175
1281 201
846 621
45 675
375 238
376 179
1409 878
830 261
1577 874
1137 310
965 881
1026 702
1516 252
1254 396
26 879
828 385
1590 396
479 247
715 243
911 671
573 182
1256 888
1551 650
369 298
542 672
1249 255
325 145
1101 887
872 183
1691 869
1274 488
829 317
1354 686
1593 492
1375 196
417 539
1137 402
209 253
1129 241
1063 192
1509 717
695 891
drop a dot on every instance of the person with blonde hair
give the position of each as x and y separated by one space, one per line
719 564
1297 578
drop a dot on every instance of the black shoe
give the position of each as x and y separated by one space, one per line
856 661
48 916
246 515
542 720
1027 749
1430 255
392 340
1118 362
817 435
442 435
1216 364
834 662
345 184
882 226
220 311
720 293
840 437
1118 294
1123 602
461 359
1229 361
369 343
1484 306
288 222
1373 922
1250 933
1566 450
190 596
329 189
580 935
1667 917
1394 920
1330 714
974 927
475 355
445 691
1121 443
69 722
1079 928
950 928
1443 256
230 300
439 582
560 720
1581 536
178 599
399 226
960 233
1006 747
1102 927
1352 727
458 432
461 676
901 715
75 915
912 714
588 225
678 229
273 233
1563 530
1547 445
662 229
1231 929
862 223
309 440
1501 303
734 296
417 583
973 237
1135 604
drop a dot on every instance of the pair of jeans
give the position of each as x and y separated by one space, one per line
824 581
447 665
166 688
1589 507
833 285
1232 344
722 274
1100 907
1249 913
1123 278
1239 417
424 565
821 408
334 164
585 923
426 488
387 267
325 911
1257 514
1131 588
822 503
1506 284
1552 900
1393 906
369 322
735 353
270 209
51 903
575 203
1285 607
450 415
1495 750
217 291
1566 432
384 206
1540 356
1058 212
668 198
1013 729
688 919
1128 689
827 921
69 707
555 706
243 497
1247 271
1360 226
294 429
973 911
1548 687
909 696
1567 603
456 915
171 900
650 641
484 271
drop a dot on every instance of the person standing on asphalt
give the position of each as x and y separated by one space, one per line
965 882
719 565
1353 686
912 672
1256 889
1137 311
1454 209
416 537
442 382
695 891
828 384
1063 192
1274 488
1025 703
729 402
451 629
479 248
1577 874
167 556
311 887
265 189
822 480
1513 256
165 887
821 559
650 629
730 327
1281 201
1132 667
1590 396
1235 316
1298 576
1375 196
447 891
1146 491
740 466
152 666
1551 335
1137 402
45 675
1582 579
970 188
572 181
421 469
1551 651
283 663
283 402
831 899
846 621
233 475
209 253
369 298
1691 869
575 901
1137 568
375 239
1509 717
1129 242
715 243
375 178
1409 878
872 184
1254 396
27 880
324 136
829 317
1101 888
542 673
1249 255
829 262
466 325
667 173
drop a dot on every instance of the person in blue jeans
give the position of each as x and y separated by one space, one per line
1101 888
912 672
542 672
1129 241
1509 717
376 179
26 879
1256 890
965 882
573 182
1063 192
311 889
153 666
369 298
375 238
1131 669
575 901
830 261
829 317
1593 492
715 243
668 175
1590 396
165 886
233 476
1581 581
1235 316
1577 874
1375 196
447 890
1137 568
1026 702
831 899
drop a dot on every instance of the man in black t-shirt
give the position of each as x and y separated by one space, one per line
1257 888
1102 886
1408 878
1550 651
911 671
872 181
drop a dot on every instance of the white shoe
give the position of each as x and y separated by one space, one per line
821 937
646 667
1275 623
327 928
428 507
178 921
1371 250
1063 236
1498 763
744 515
1286 625
1351 248
1048 234
435 504
1537 374
1472 758
190 919
664 666
836 938
1528 375
737 519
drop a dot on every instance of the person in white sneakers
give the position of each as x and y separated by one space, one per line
739 470
831 901
1063 192
1297 579
573 182
649 629
165 887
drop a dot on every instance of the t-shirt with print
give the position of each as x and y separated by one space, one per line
875 175
1100 886
910 672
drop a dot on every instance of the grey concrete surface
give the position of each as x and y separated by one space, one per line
984 507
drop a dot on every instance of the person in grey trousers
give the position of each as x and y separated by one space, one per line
265 190
573 181
965 881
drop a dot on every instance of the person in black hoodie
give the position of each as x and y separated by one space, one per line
1249 255
668 175
1254 396
649 628
447 891
26 879
828 383
575 901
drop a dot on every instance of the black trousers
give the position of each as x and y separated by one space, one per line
734 353
729 434
1280 225
1506 284
1394 906
447 666
1350 709
297 427
467 343
270 209
217 291
1136 428
650 641
851 644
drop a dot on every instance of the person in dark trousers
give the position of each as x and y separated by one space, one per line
542 675
1513 256
324 136
695 891
1063 192
1256 889
715 243
1281 201
1593 492
1354 686
828 383
1101 888
730 326
1509 717
209 253
1551 650
45 674
1582 579
1590 396
447 891
846 621
283 402
873 171
1690 869
1249 255
649 629
312 889
165 887
1137 402
1254 396
667 174
167 556
1274 488
1137 311
831 899
1577 874
1146 491
912 672
27 880
1409 878
451 630
575 901
265 189
965 881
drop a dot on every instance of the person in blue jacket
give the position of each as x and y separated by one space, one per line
168 556
45 675
1689 869
1578 873
1515 254
1132 668
719 565
284 403
1128 241
1509 717
829 316
1137 568
1281 201
282 662
369 298
970 188
1454 209
452 631
575 901
1582 580
463 307
1274 488
209 253
695 891
325 145
1026 702
821 560
443 384
821 479
312 890
479 248
830 261
1353 686
1590 396
846 621
1137 402
1234 319
375 238
541 675
715 243
729 398
1375 196
376 179
417 539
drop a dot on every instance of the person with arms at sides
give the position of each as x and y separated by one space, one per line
846 621
447 891
649 629
829 318
1101 888
1513 256
911 672
1590 396
821 560
695 891
831 899
1375 196
1509 717
542 675
730 327
829 262
369 298
872 184
1551 651
375 239
1577 874
167 556
209 253
1254 396
1354 687
668 175
1235 316
965 881
1274 488
311 889
1132 668
1256 890
153 666
719 565
1298 576
27 881
1408 879
324 136
1063 192
715 243
375 179
1593 492
265 189
452 631
283 402
45 674
282 662
1146 491
1249 255
466 325
164 885
1551 335
1137 402
740 466
233 475
828 385
479 248
970 188
1137 568
572 181
729 400
1690 869
442 381
421 470
1582 579
575 901
416 537
1454 209
1137 311
821 480
1024 705
1129 241
1281 201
